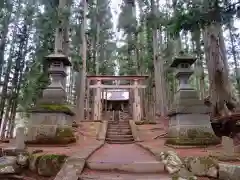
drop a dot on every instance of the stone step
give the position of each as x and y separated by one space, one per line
120 139
117 175
119 136
133 167
120 127
118 123
119 133
117 127
120 142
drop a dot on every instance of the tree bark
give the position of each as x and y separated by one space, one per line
83 53
220 86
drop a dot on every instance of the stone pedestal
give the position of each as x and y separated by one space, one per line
189 117
49 127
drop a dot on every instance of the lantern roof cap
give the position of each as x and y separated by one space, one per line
183 58
58 57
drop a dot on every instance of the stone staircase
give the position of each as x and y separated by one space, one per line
119 131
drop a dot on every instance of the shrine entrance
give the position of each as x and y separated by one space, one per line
114 93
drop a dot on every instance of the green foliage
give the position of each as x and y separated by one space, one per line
192 16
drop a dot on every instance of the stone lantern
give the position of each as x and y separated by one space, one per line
56 91
51 120
189 118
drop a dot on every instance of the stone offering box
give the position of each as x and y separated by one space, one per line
189 118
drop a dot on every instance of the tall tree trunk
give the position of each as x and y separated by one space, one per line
83 53
177 39
220 86
8 69
4 33
199 64
97 53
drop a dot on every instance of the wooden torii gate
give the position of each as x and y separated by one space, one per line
99 87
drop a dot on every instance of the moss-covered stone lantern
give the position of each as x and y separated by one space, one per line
51 120
189 118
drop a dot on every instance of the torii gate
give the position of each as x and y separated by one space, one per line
99 86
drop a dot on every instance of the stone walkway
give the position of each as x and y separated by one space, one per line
123 162
121 153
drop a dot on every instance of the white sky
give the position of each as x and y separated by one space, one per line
116 9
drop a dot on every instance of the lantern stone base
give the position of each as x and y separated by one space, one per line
191 130
50 127
190 121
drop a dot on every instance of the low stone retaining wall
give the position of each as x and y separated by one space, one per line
134 131
101 135
15 161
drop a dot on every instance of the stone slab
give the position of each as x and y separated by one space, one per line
115 175
229 171
74 165
134 167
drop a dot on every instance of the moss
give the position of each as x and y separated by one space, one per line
64 132
58 157
50 164
63 135
56 108
194 137
52 108
139 122
208 162
145 122
175 176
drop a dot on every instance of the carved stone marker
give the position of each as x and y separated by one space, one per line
228 146
20 138
189 117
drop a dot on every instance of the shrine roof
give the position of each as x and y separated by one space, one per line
108 77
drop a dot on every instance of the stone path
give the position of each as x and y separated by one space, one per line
121 153
101 175
123 162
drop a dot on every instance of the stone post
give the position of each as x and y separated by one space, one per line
20 138
97 104
189 118
136 103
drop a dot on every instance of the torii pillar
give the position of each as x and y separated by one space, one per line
136 103
97 102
